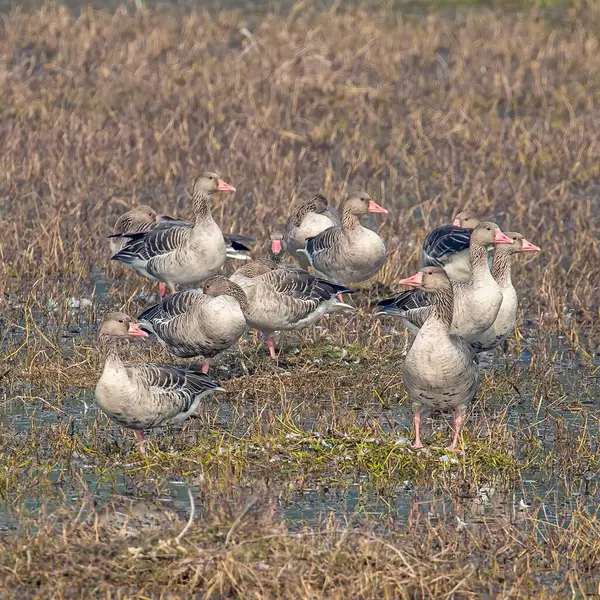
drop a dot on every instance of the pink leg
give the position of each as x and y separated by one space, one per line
141 442
205 366
271 346
417 424
340 298
459 419
162 290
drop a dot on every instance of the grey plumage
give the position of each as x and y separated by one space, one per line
348 253
439 370
191 323
145 396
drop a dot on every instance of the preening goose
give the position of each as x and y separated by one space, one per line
476 301
439 371
448 246
191 323
139 218
145 396
506 318
349 253
285 298
307 219
179 254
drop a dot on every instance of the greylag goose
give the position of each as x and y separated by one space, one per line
439 371
236 246
308 219
191 323
448 246
476 301
506 318
139 218
145 396
179 254
349 253
285 298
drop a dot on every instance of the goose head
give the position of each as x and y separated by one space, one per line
466 219
120 325
488 234
361 204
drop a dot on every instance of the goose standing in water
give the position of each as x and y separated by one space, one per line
506 318
145 396
308 219
349 253
448 246
439 371
476 301
191 323
285 298
179 254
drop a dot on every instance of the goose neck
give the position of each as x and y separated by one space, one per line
501 268
442 302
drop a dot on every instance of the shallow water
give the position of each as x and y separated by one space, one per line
551 499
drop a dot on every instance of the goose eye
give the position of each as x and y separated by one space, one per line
121 321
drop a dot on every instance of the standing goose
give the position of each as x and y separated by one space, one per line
143 218
179 254
285 298
191 323
506 318
439 371
448 246
145 396
308 219
236 246
139 218
349 253
476 301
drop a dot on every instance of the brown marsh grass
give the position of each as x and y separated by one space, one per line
489 111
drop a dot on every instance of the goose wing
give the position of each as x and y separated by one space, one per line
172 306
442 242
412 305
175 388
145 246
321 244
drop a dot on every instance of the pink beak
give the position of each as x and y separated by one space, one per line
415 281
135 331
529 247
501 238
456 223
376 209
275 246
223 186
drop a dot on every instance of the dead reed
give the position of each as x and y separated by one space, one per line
489 111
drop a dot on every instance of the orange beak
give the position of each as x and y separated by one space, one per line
135 331
376 209
415 281
529 247
223 186
501 238
456 223
275 246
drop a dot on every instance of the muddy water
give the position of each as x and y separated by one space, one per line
553 499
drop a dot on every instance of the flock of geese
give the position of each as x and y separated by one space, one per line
460 303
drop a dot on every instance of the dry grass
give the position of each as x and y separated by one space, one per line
482 110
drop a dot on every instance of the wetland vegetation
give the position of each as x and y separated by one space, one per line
299 482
